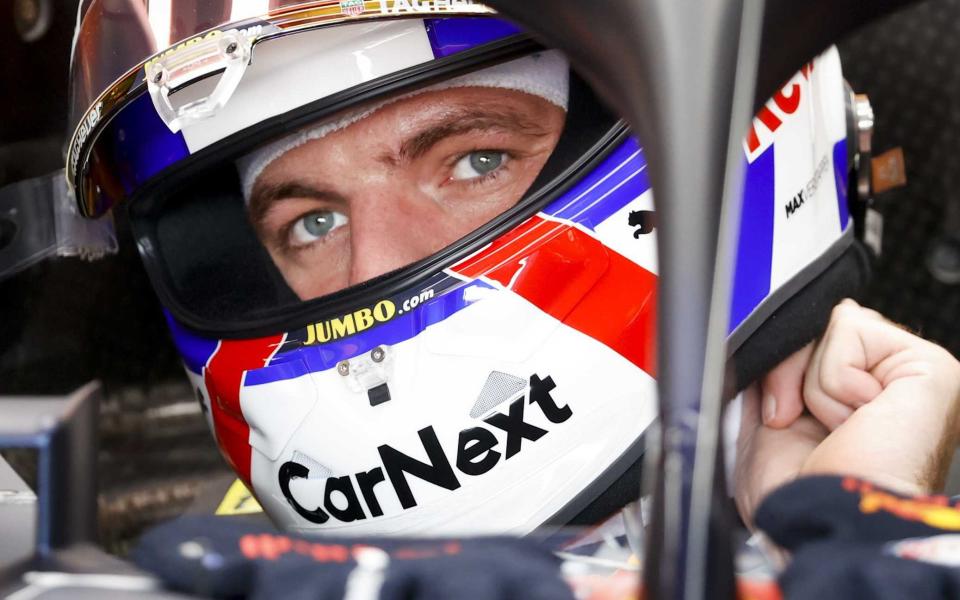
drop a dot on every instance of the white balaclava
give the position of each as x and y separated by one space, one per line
545 74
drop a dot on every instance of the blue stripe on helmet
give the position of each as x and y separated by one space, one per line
841 178
751 282
195 350
617 181
449 36
137 145
403 327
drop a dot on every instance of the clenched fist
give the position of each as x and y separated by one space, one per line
868 399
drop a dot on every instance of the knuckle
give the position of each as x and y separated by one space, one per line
844 311
832 386
951 362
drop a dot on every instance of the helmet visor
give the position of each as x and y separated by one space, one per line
246 237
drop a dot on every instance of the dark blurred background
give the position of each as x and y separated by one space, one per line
65 322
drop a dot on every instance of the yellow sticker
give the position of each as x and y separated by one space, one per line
238 501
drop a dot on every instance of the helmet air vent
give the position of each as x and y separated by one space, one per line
498 388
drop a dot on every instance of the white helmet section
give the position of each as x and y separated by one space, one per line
795 218
285 73
501 414
477 443
806 119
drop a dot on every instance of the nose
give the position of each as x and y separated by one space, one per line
394 225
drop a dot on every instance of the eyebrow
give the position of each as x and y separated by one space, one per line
466 120
454 122
264 196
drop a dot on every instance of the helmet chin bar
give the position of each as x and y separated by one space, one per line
670 67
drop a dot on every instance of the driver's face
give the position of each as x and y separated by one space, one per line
400 184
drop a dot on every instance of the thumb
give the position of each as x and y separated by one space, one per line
782 390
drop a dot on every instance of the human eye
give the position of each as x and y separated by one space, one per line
315 226
478 164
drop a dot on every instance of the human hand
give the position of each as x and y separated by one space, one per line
883 405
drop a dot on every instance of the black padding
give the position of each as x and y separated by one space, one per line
802 318
587 119
624 490
213 259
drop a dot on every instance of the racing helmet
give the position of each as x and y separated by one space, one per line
409 256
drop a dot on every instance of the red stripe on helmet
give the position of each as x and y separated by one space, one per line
223 376
573 277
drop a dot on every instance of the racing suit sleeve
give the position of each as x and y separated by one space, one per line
851 539
230 558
